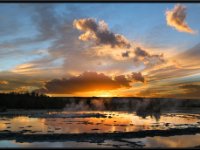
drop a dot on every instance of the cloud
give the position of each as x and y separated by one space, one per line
192 52
99 32
59 29
43 18
125 54
193 87
181 66
14 82
190 90
149 60
138 76
190 57
176 18
56 32
3 82
88 81
140 52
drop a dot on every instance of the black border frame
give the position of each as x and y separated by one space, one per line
95 1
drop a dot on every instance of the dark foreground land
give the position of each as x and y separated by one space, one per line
94 137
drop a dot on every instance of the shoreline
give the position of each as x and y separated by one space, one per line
94 137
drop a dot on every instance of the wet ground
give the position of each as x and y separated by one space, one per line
98 129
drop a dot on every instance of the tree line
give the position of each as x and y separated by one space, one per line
29 101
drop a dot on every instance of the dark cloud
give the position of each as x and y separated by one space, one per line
99 32
89 81
138 76
125 54
176 18
140 52
148 59
121 79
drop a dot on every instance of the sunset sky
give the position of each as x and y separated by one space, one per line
101 49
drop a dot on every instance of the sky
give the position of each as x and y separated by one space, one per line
101 49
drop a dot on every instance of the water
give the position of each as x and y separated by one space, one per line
183 141
88 122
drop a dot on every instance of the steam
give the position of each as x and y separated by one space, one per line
85 105
143 107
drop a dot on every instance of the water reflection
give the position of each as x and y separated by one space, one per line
148 142
70 122
149 108
110 122
182 141
67 144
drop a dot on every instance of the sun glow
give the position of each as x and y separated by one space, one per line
86 94
100 94
105 95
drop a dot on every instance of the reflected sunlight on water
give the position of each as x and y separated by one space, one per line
68 122
181 141
88 122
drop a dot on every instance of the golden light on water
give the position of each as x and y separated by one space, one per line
119 121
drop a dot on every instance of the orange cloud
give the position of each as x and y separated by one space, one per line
176 18
138 76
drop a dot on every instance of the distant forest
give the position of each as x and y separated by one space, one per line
29 101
